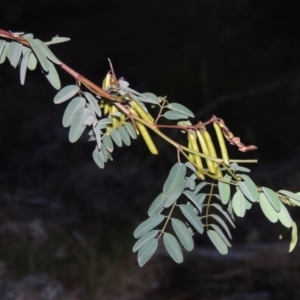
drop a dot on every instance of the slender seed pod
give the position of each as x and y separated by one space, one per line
106 81
145 116
191 155
197 158
145 134
211 148
106 108
115 120
222 143
204 148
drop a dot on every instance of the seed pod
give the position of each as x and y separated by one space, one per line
197 158
204 148
145 116
106 81
145 134
211 149
115 120
106 108
191 155
222 143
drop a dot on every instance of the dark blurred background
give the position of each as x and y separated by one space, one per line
66 226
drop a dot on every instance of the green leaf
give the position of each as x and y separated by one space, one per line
147 225
32 61
221 234
98 134
157 205
174 115
14 52
97 159
217 241
216 217
103 154
294 198
224 189
174 194
248 188
173 247
235 167
2 46
124 135
190 182
176 176
201 198
273 198
194 199
115 135
23 67
48 52
53 76
108 144
94 103
239 203
105 121
130 130
146 252
146 238
3 54
183 234
57 40
191 216
294 237
268 210
66 93
225 214
191 167
71 109
149 98
39 52
77 126
284 217
180 108
200 186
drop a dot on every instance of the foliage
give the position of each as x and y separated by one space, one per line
207 187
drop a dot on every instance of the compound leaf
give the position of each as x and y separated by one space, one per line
39 52
146 238
273 198
53 76
97 159
174 194
294 198
147 225
94 103
183 234
149 98
146 252
268 210
284 217
224 189
176 176
157 205
220 209
191 216
124 135
66 93
174 115
239 203
216 217
173 247
194 199
71 109
248 188
180 108
221 233
130 130
217 241
294 237
14 52
77 126
115 135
